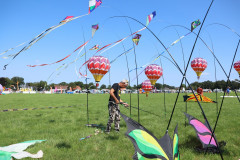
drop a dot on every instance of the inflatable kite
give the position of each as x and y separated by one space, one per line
17 151
153 72
200 98
199 65
98 66
203 134
147 146
237 67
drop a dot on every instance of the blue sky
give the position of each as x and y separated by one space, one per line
23 20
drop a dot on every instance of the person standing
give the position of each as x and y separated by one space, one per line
228 90
200 91
113 105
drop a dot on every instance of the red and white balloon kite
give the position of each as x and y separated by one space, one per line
237 67
153 72
98 66
147 86
199 65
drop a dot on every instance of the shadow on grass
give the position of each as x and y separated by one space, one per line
115 137
38 115
63 145
51 121
194 144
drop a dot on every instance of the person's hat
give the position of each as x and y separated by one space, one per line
124 81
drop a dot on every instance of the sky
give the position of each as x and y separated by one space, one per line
25 19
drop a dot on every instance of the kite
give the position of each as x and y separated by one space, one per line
204 134
150 17
195 24
237 67
62 58
147 86
93 4
162 52
200 98
147 146
153 72
199 65
117 42
17 150
136 38
67 19
98 66
96 47
94 29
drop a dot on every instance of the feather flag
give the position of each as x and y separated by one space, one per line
150 17
93 4
94 29
136 38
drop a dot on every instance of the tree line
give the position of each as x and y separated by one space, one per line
15 82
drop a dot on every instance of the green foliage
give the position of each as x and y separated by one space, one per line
6 82
103 86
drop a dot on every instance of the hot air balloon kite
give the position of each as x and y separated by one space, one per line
153 72
98 66
199 65
237 67
147 87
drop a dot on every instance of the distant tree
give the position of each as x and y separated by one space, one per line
41 85
109 87
158 85
91 86
6 82
63 84
80 84
52 85
129 87
103 86
72 85
17 81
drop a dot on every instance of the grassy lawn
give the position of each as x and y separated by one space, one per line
63 127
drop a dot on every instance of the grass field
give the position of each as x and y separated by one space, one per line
63 127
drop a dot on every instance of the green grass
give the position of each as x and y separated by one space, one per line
63 127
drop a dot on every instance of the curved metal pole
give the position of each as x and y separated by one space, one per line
212 136
212 54
180 69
